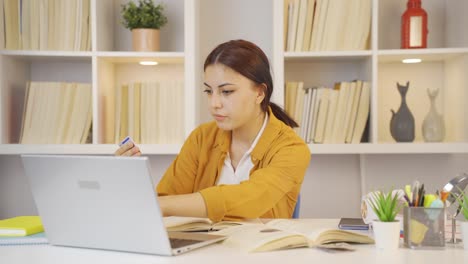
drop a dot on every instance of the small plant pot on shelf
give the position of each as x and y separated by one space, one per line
386 235
145 39
464 228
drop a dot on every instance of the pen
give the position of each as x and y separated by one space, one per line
421 195
407 199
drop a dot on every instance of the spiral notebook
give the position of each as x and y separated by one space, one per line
36 239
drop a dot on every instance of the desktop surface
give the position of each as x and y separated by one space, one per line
364 254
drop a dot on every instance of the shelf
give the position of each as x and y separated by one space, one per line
85 149
391 148
130 57
36 55
327 55
432 55
173 149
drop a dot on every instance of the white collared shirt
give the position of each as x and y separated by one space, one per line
242 172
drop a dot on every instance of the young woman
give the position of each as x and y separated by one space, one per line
248 162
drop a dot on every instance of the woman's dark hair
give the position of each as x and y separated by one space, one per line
250 61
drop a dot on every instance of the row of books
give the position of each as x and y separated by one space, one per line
315 25
327 115
56 113
150 113
45 25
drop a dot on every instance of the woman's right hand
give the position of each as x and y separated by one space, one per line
128 149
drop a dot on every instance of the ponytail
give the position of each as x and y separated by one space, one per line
282 115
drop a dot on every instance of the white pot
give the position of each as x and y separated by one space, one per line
464 228
386 234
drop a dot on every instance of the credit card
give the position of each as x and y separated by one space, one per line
125 140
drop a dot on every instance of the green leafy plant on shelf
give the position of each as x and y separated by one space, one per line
144 15
385 205
462 200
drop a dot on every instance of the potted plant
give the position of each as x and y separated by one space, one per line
144 20
386 229
462 200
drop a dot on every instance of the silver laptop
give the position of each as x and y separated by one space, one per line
103 202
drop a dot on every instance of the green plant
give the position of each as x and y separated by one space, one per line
385 205
462 200
143 15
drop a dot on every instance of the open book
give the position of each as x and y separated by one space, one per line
191 224
285 234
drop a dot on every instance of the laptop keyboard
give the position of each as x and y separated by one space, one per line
182 242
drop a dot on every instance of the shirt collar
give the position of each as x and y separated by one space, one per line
272 127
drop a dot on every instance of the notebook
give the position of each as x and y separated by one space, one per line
36 239
103 202
21 226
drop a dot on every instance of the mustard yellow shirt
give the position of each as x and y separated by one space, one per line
280 160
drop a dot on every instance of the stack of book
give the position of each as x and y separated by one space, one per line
313 25
45 25
56 113
22 230
326 115
150 113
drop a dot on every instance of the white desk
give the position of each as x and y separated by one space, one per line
219 254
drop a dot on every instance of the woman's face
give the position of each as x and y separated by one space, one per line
233 100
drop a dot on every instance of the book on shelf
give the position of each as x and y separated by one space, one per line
56 113
315 25
12 24
357 87
331 114
281 234
46 24
290 98
315 111
299 104
301 25
319 27
21 226
305 112
340 112
309 24
2 26
328 115
362 114
285 23
348 112
292 31
322 116
141 112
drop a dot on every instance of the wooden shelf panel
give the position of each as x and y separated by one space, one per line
173 149
390 148
85 149
427 55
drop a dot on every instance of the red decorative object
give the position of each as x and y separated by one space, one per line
414 26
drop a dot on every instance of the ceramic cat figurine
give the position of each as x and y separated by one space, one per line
402 122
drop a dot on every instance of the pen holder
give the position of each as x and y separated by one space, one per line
423 227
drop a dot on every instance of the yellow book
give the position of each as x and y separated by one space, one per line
21 226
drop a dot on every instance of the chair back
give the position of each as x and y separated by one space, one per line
297 208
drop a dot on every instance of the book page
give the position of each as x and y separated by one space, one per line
320 233
312 231
178 223
260 237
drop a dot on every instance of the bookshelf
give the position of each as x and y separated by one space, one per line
196 26
444 60
109 63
